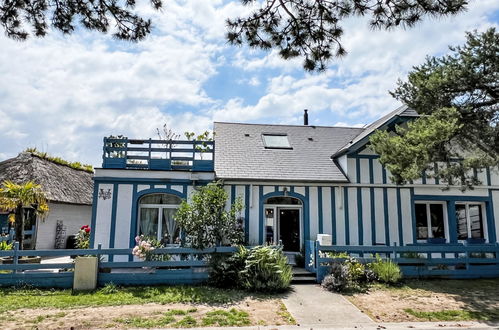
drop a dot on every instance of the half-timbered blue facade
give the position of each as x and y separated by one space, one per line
295 182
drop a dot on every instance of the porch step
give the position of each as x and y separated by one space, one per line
302 276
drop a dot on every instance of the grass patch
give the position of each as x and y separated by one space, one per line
15 298
449 315
142 322
187 322
286 316
222 318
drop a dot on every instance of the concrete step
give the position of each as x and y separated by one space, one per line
302 276
304 280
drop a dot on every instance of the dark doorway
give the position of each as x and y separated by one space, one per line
289 229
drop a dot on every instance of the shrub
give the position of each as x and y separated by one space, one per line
83 237
225 270
5 246
300 259
339 278
386 270
205 220
266 269
144 249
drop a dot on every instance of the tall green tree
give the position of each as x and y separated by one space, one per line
205 220
457 97
16 197
307 28
312 29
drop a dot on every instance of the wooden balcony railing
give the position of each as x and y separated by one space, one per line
174 155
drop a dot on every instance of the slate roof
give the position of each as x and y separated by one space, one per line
402 111
60 183
242 157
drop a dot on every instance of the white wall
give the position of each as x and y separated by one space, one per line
73 217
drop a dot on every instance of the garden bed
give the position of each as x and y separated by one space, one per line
432 300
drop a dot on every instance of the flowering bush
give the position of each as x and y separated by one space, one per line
83 237
144 249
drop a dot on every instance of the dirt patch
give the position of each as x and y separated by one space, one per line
260 312
388 304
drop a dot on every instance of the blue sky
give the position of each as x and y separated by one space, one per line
62 94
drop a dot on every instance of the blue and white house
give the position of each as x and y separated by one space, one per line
295 182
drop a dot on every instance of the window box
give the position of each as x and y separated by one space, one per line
160 164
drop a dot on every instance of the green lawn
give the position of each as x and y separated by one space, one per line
12 299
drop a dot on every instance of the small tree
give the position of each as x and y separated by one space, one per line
207 222
15 197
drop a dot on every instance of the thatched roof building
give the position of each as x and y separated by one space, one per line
61 183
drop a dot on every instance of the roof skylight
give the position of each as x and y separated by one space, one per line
276 141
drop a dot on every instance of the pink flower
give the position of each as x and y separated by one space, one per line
137 239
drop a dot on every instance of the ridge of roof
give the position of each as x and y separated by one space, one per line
289 125
403 111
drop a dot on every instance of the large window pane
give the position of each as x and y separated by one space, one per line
437 220
462 222
149 222
276 141
476 221
421 221
170 231
269 225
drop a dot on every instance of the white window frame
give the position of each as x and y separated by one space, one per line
468 222
428 220
277 220
276 147
160 208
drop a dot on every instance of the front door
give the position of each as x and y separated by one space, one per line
289 229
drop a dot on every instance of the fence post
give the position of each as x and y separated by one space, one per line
15 260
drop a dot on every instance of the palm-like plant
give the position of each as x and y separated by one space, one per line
14 197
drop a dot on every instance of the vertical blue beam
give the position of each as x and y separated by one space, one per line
260 222
112 233
399 216
94 213
306 216
491 227
451 216
423 177
319 206
360 215
347 220
385 214
371 171
133 219
276 188
246 213
384 175
489 182
333 214
373 217
413 217
232 194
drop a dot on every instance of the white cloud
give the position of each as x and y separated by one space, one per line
63 94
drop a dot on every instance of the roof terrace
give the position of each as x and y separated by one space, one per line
164 155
